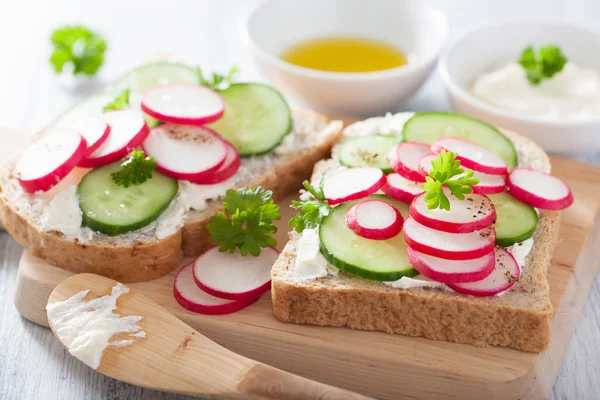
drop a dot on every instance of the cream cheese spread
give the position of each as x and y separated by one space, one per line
418 281
86 328
572 94
310 263
520 251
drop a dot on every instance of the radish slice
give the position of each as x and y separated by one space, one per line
505 274
451 246
191 297
539 189
43 164
404 159
182 103
352 184
374 219
127 131
473 213
451 271
233 276
399 188
227 170
472 155
94 129
425 164
186 152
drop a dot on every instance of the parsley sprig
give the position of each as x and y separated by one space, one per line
247 222
217 81
79 46
313 208
136 170
120 102
543 63
447 172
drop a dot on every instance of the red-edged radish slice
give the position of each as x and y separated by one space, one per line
451 271
233 276
227 170
505 274
352 184
399 188
192 298
404 159
471 155
186 152
374 219
127 131
473 213
451 246
182 103
93 128
425 164
539 189
47 161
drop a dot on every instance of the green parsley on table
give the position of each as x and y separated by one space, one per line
79 46
136 170
543 63
313 208
447 172
120 102
217 81
246 223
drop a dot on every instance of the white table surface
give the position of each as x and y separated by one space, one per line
32 363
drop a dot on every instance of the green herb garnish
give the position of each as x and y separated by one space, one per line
447 172
542 64
120 102
247 222
313 208
136 170
79 46
217 81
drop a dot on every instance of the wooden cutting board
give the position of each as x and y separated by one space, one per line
382 365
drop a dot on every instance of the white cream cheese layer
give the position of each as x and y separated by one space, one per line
86 328
62 214
418 281
520 251
310 263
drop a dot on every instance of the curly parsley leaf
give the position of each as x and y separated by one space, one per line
313 208
79 46
120 102
542 64
447 173
246 223
136 170
217 81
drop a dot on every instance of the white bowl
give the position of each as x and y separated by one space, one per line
273 26
491 46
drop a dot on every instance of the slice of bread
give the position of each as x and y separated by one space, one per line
141 255
519 318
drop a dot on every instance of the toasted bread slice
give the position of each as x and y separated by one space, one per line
141 255
519 318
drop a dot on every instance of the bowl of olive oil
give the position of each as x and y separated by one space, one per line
349 57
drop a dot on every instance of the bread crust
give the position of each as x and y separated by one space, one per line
145 261
520 318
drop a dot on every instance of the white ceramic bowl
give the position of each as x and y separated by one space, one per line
491 46
273 26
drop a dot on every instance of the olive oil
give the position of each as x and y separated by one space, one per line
345 54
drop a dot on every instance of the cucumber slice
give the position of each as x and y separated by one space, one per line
516 221
379 260
113 209
256 118
426 127
368 151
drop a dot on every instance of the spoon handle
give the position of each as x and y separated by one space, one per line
266 382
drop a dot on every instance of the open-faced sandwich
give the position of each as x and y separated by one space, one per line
454 243
124 183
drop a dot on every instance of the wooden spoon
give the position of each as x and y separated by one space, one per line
173 357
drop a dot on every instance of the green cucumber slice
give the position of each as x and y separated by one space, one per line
113 209
256 118
516 221
367 151
379 260
426 127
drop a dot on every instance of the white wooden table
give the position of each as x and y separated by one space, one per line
32 363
